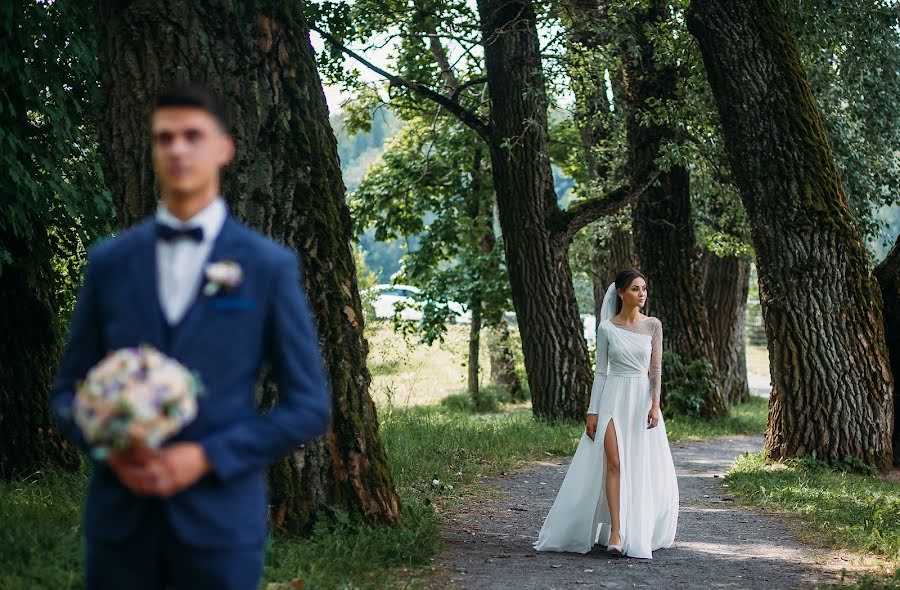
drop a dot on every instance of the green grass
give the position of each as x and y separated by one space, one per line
437 454
745 418
843 508
871 582
39 542
343 554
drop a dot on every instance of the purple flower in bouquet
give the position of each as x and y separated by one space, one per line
135 395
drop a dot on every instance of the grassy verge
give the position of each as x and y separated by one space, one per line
437 453
745 418
843 508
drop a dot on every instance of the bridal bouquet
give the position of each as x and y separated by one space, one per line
135 395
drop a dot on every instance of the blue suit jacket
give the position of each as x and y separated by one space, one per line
224 338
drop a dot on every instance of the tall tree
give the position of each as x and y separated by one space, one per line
285 181
555 353
662 219
832 384
54 205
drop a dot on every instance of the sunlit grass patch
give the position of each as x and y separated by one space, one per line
841 506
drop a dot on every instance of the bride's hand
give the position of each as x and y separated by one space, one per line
591 425
653 417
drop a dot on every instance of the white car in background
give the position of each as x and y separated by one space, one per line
386 297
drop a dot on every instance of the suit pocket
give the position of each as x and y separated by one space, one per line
232 303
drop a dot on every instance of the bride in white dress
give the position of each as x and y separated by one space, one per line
620 489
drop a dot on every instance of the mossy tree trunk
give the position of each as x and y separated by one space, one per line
726 286
662 219
832 383
285 181
888 275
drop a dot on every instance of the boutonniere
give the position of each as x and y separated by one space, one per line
225 274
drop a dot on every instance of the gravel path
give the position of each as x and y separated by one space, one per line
718 544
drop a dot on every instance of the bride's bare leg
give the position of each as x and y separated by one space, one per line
611 448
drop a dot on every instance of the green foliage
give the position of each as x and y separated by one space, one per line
851 52
840 506
432 182
686 386
357 150
873 582
55 202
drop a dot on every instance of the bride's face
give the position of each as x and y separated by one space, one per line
635 295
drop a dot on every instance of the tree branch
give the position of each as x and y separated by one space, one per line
567 223
467 84
465 116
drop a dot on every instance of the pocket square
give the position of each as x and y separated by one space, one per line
231 303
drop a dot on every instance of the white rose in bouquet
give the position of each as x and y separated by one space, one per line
135 395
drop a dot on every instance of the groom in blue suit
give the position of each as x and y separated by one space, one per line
220 298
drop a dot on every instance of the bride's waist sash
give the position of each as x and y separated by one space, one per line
628 374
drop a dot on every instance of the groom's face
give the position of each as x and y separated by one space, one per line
189 149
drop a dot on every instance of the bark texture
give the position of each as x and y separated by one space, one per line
503 361
662 221
888 275
285 181
556 358
832 383
727 283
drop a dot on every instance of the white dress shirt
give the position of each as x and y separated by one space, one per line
180 262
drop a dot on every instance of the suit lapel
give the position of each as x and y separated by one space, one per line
226 247
144 276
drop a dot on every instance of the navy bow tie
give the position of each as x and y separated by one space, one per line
168 233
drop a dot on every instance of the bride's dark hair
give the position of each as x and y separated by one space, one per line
623 280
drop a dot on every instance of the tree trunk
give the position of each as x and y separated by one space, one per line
726 287
832 384
888 275
662 222
503 362
622 253
474 349
553 344
29 351
610 255
285 181
600 265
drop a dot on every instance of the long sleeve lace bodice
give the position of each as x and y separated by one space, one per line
655 370
651 327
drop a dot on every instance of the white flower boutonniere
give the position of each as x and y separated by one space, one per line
225 274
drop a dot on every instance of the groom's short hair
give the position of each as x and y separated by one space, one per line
194 95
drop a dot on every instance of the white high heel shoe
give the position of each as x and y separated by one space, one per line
617 548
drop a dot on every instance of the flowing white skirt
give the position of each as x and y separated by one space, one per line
648 488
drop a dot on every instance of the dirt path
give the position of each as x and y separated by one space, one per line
718 544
